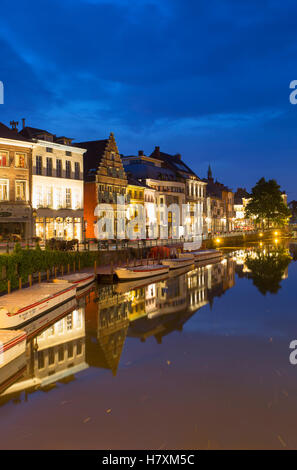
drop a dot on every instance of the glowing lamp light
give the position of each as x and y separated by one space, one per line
218 240
261 234
275 233
276 240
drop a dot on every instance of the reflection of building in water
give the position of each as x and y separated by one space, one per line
54 355
219 278
107 329
178 298
197 288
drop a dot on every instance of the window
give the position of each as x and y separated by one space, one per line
3 190
49 149
70 350
61 353
20 191
79 348
68 198
49 197
49 166
51 356
68 154
38 165
4 160
59 198
69 324
20 160
40 359
77 170
68 169
39 196
59 168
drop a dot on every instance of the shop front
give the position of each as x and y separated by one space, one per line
62 226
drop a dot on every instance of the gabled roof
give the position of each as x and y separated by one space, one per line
7 133
92 157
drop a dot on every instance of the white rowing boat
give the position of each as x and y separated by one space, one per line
80 280
140 272
12 345
175 263
20 307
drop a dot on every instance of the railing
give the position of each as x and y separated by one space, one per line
112 245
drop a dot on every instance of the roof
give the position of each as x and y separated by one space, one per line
175 162
32 132
141 170
7 133
92 157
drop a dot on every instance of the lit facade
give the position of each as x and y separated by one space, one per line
15 185
57 190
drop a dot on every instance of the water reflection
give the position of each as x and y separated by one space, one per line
93 332
266 267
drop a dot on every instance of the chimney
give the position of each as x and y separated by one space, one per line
178 155
157 150
140 153
14 125
23 123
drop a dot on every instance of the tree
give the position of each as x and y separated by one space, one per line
267 205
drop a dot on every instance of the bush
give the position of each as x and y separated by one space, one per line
21 263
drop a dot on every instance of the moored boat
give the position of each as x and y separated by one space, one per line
19 308
81 280
203 255
175 263
12 345
11 372
140 272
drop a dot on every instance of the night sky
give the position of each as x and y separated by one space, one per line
207 79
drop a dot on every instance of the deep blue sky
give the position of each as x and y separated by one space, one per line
208 79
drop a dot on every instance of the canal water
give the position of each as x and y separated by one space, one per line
197 360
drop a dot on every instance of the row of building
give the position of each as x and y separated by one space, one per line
50 187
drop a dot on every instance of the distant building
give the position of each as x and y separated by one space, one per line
174 184
241 199
220 206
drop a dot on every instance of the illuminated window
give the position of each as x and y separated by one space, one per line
3 190
20 191
49 197
20 160
68 198
4 159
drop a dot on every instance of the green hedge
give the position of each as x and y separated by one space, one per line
21 263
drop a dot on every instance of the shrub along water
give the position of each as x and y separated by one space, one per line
23 262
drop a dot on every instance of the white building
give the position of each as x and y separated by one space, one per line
57 186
